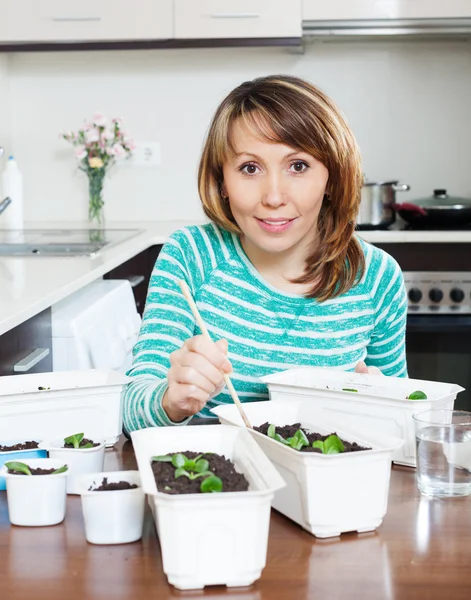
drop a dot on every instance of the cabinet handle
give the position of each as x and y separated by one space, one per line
135 280
235 16
65 18
31 360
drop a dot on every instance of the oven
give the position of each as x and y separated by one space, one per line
438 334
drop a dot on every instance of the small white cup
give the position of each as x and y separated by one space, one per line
112 517
80 460
36 500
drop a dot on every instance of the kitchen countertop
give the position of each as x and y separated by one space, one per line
421 551
33 284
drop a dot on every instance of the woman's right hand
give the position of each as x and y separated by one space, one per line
196 374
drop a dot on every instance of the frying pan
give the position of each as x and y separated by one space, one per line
439 210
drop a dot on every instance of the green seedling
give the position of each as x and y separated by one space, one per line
42 388
23 468
297 441
349 390
331 445
75 441
193 468
418 395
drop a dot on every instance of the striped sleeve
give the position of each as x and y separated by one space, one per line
386 349
167 322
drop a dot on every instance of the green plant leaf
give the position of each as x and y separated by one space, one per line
89 445
299 440
201 465
181 471
278 438
417 395
349 390
13 465
62 469
211 484
333 445
318 444
164 458
179 460
271 431
74 439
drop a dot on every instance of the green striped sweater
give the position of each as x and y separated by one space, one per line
267 330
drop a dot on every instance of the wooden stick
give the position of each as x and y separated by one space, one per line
194 309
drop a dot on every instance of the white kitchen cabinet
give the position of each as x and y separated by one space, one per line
86 20
344 10
224 19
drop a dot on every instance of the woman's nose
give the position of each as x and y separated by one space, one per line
273 192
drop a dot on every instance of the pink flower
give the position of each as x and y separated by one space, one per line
117 120
80 152
110 151
93 135
106 134
99 119
119 151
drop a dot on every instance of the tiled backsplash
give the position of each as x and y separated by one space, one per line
407 102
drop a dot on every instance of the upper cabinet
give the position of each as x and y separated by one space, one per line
317 10
85 20
224 19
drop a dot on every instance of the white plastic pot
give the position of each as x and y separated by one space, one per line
88 400
210 539
80 460
36 500
379 405
19 455
112 517
327 494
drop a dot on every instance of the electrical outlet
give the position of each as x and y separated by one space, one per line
146 154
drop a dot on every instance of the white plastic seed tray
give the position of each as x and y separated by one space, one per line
379 405
326 494
210 539
88 401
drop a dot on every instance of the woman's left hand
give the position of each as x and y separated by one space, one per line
362 368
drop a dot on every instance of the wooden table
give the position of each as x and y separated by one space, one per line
422 551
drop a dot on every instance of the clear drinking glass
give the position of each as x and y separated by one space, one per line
443 443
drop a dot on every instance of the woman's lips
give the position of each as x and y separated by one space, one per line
275 225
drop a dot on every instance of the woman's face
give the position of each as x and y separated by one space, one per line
275 193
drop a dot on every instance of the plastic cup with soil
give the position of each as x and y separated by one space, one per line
83 455
18 450
36 491
113 506
210 489
337 480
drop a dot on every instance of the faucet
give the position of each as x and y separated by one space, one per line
5 203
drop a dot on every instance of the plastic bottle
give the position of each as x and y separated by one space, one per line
12 187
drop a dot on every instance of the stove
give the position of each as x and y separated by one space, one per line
438 293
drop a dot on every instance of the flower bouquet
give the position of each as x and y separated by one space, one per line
98 145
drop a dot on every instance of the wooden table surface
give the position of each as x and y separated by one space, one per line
422 551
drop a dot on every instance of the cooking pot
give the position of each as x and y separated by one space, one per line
377 204
439 211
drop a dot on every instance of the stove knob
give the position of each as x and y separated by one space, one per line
435 295
457 295
415 295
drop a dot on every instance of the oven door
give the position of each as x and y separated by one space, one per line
438 348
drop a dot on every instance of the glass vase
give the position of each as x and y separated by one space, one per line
96 213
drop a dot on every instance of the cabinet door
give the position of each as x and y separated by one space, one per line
343 10
87 20
225 19
429 9
28 347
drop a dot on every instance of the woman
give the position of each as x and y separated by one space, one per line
278 275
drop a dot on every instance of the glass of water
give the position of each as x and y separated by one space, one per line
443 444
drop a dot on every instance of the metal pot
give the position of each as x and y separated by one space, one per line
438 211
377 204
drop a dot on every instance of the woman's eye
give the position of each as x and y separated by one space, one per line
249 169
299 166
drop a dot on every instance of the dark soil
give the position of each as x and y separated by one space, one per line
164 473
24 446
113 486
34 472
84 442
287 431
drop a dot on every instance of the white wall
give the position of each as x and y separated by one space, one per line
408 103
4 108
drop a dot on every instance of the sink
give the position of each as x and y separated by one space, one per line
61 242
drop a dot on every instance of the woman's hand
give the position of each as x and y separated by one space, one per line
362 368
196 374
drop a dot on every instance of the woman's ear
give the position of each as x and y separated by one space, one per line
223 191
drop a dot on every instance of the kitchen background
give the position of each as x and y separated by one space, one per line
407 102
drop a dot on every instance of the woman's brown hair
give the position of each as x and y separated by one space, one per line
291 111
